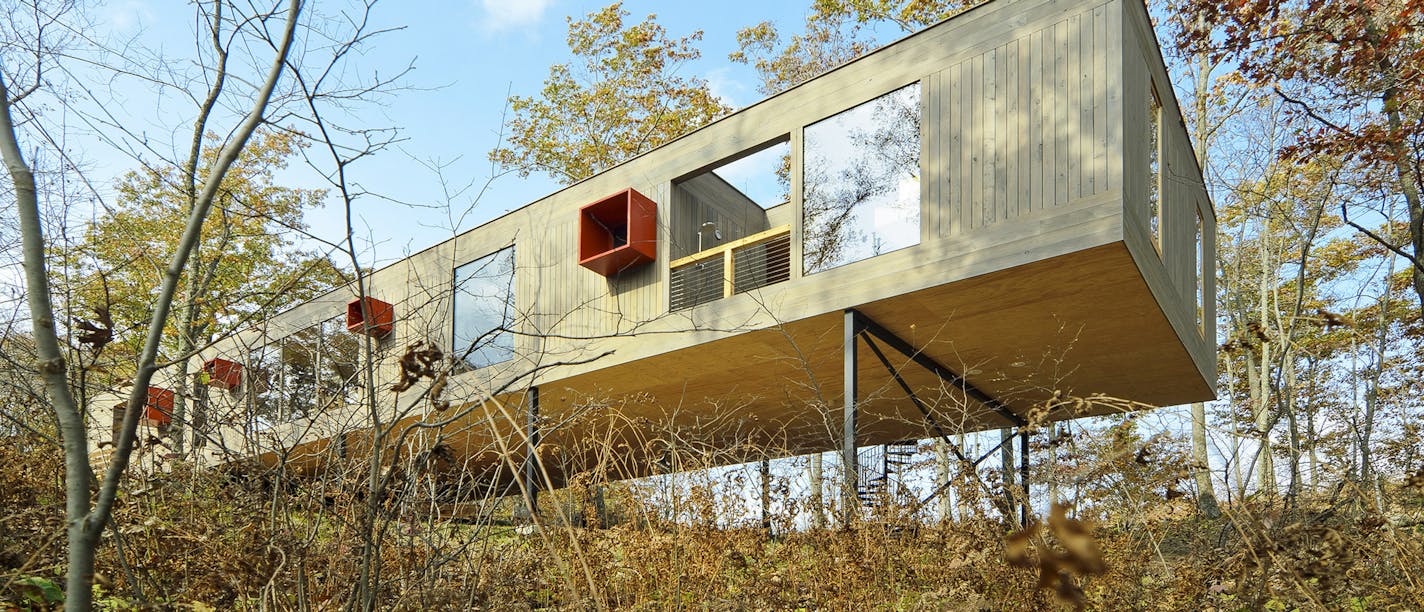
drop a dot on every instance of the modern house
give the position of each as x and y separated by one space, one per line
941 236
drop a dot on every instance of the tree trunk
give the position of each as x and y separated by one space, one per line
1407 177
1372 389
51 366
1312 440
183 383
818 502
1288 399
1261 403
1265 464
1206 493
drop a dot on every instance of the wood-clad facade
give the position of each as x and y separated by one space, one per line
1037 266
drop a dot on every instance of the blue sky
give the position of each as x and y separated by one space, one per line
468 56
480 50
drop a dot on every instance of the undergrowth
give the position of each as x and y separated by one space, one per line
235 540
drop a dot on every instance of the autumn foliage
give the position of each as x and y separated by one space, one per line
245 538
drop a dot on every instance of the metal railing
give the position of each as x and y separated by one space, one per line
738 266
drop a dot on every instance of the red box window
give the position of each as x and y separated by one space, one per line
158 410
618 232
223 374
382 317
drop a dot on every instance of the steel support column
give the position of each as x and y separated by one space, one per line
531 458
856 324
1023 475
849 500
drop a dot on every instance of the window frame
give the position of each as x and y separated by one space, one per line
800 162
457 350
1156 216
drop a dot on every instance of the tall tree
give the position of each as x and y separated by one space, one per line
1352 70
623 97
88 510
244 263
1212 101
821 47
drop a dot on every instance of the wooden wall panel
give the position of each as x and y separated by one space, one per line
1031 124
1173 272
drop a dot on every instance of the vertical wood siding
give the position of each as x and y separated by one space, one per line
1033 123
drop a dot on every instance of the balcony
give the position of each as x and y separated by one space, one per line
739 266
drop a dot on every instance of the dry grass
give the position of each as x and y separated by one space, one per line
233 541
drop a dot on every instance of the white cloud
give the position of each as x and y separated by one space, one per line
127 17
510 14
723 83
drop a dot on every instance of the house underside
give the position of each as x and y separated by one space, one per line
996 222
1073 336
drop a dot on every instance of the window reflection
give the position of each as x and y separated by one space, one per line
307 372
484 309
299 367
337 371
732 200
1154 167
862 181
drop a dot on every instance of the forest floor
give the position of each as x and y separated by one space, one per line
204 541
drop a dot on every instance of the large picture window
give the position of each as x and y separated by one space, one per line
307 372
1154 166
484 309
861 189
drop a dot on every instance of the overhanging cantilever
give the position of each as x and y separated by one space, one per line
868 325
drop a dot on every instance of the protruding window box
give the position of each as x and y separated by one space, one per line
618 232
158 410
222 373
381 313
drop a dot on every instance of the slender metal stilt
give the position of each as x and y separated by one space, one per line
531 459
1007 471
1023 475
849 499
766 494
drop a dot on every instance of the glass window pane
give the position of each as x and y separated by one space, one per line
484 309
862 181
1154 167
1201 268
264 384
339 356
299 371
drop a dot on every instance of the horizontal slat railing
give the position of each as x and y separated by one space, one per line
762 263
696 283
758 260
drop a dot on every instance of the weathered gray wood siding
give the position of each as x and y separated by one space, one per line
1172 272
709 198
1029 121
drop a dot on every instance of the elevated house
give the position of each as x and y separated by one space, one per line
940 236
